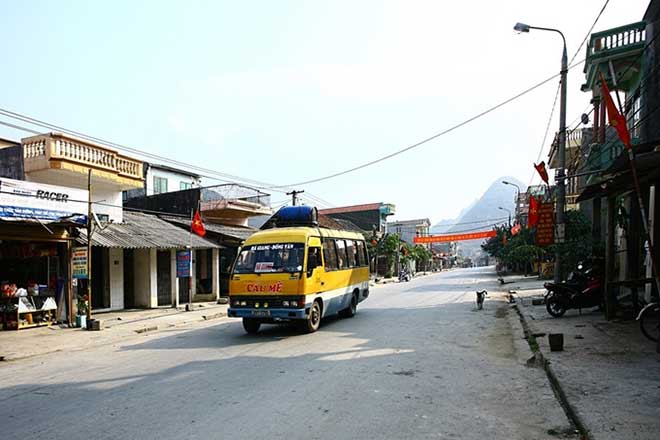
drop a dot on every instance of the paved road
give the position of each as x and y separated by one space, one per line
418 361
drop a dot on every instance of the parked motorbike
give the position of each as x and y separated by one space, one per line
582 290
404 274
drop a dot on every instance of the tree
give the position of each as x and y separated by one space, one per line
578 244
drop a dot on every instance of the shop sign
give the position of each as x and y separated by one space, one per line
545 228
182 264
79 262
21 200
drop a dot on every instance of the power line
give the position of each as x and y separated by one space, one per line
429 139
203 172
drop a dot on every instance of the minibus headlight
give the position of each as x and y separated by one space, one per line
243 303
294 303
285 303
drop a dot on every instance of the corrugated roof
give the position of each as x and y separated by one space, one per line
237 232
139 231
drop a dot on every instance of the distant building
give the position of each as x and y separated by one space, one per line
160 179
409 229
368 217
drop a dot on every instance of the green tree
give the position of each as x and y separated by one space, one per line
578 244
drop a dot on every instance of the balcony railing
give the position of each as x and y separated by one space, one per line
39 151
617 40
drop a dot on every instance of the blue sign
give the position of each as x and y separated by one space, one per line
182 264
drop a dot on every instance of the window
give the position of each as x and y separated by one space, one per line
185 185
160 185
350 251
341 254
330 254
270 258
359 247
365 253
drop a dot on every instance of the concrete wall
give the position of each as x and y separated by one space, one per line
111 197
116 261
144 268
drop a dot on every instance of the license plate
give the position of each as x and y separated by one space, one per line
260 312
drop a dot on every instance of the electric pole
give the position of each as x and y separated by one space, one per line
294 196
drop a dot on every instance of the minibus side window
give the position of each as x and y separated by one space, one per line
350 250
330 254
341 254
359 254
366 254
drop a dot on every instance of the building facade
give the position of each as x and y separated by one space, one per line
133 254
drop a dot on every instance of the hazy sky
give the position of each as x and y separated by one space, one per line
286 91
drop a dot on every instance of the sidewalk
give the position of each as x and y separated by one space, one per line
608 371
117 326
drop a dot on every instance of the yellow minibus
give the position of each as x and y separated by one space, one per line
297 271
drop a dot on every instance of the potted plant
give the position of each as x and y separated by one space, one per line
81 311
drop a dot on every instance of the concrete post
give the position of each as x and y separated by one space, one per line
215 267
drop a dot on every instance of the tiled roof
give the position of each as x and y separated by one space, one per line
139 231
237 232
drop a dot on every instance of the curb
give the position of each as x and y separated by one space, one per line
118 338
540 360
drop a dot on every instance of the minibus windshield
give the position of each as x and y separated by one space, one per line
270 258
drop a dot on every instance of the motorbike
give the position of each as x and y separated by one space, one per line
404 274
582 290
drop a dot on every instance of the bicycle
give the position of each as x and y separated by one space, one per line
649 321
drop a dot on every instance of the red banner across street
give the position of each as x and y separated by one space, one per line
454 237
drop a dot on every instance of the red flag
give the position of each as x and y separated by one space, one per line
533 215
515 230
197 226
542 171
616 118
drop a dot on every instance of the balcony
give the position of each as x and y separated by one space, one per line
575 139
623 47
233 203
65 160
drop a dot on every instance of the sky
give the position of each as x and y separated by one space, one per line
288 91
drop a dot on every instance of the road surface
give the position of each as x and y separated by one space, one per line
418 361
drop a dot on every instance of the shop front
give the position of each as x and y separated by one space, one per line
36 222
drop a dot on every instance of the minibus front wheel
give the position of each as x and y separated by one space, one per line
311 324
251 325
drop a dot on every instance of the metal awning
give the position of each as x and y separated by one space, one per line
145 231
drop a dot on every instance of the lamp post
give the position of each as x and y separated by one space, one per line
517 195
560 176
507 210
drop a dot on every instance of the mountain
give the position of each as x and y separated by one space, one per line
483 213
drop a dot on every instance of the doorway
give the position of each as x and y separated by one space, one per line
164 278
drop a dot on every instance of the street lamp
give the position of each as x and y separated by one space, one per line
507 210
517 195
561 157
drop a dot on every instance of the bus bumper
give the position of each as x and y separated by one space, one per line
275 314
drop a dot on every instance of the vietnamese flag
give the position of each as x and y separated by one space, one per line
617 120
533 216
197 225
542 171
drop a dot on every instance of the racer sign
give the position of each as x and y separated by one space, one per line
454 237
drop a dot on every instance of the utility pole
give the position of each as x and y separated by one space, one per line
294 196
561 182
90 224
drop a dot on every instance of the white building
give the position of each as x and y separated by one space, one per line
134 255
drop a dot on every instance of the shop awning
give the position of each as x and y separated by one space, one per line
240 233
140 231
648 168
